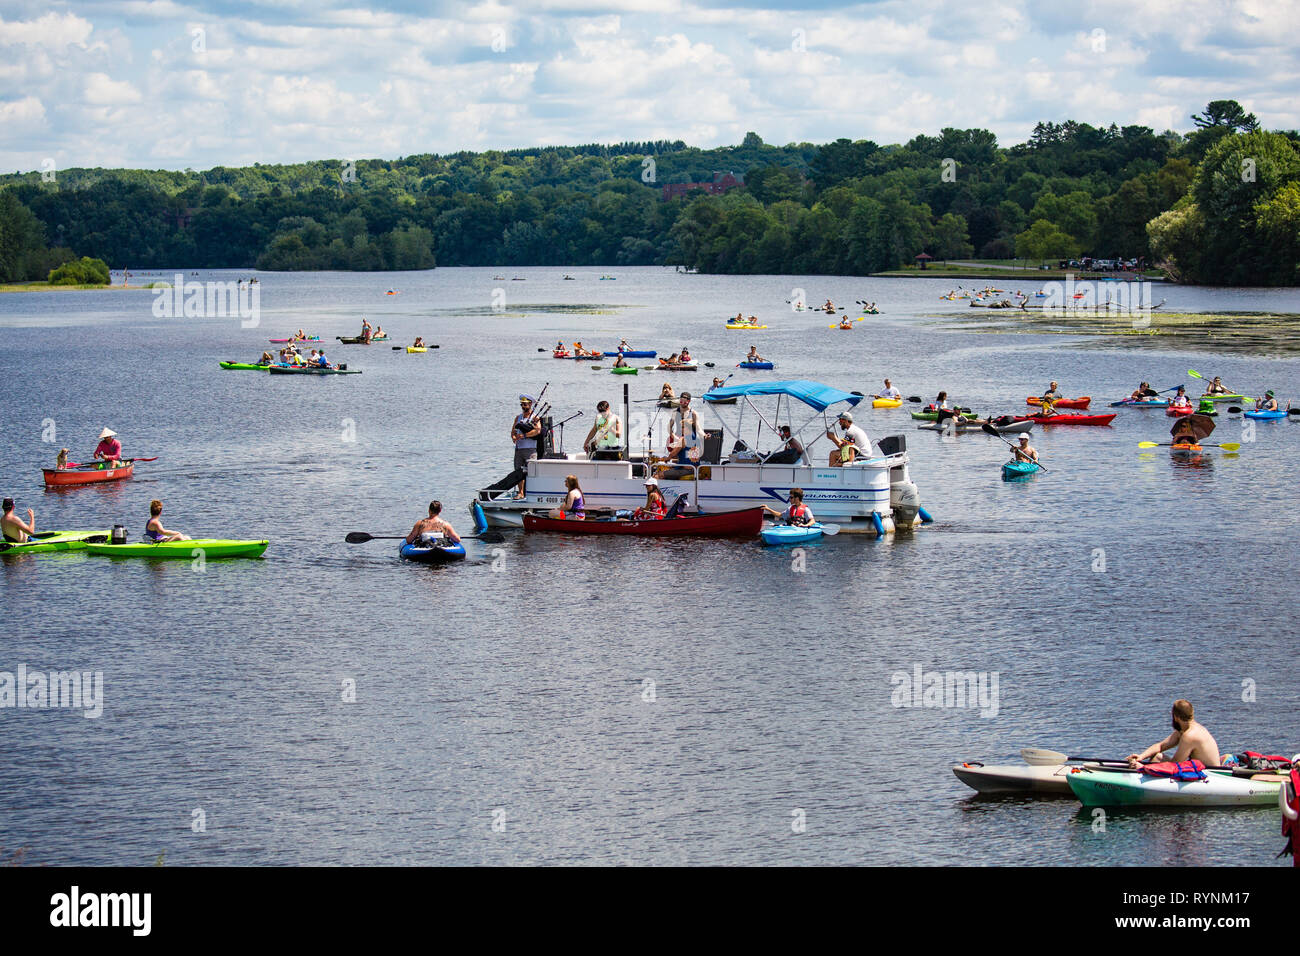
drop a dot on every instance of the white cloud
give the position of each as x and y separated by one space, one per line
103 90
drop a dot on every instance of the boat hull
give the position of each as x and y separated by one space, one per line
182 550
1075 403
1100 788
1048 781
744 523
61 478
1067 419
57 541
847 496
432 554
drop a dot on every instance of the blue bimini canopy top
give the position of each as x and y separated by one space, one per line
813 394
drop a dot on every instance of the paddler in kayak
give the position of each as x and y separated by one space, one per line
1217 387
1053 393
1026 451
1180 399
1143 392
620 362
154 530
685 357
753 355
889 392
433 526
266 359
419 343
854 443
15 530
666 394
1266 404
1192 740
797 513
109 449
321 360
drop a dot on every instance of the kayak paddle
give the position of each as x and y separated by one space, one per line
1036 757
993 430
361 537
1226 446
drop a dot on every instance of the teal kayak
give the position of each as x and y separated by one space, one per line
1221 788
49 541
208 547
1015 470
791 534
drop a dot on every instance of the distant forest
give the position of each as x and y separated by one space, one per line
1219 205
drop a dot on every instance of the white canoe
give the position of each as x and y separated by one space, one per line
1015 778
1108 788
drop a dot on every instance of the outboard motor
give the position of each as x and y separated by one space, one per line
905 500
119 534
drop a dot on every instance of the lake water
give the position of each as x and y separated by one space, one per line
558 700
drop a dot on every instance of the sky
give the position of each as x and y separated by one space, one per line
164 84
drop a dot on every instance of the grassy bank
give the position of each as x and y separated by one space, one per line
44 286
999 269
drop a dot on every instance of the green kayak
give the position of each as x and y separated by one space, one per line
1224 398
48 541
934 416
210 547
242 366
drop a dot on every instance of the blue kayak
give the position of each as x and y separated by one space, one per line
756 365
628 353
1267 416
1015 470
432 553
790 534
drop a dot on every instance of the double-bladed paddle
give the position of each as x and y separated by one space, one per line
992 430
1226 446
1037 757
361 537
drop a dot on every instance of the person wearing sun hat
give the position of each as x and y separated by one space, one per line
1268 403
854 443
109 448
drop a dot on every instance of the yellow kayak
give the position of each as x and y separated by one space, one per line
886 402
413 348
746 326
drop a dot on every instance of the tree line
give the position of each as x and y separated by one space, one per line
1218 205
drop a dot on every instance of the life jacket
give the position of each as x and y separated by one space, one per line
1258 761
1291 828
1176 769
798 514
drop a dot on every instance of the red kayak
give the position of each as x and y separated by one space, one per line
56 477
1177 411
560 354
1062 402
1067 419
747 522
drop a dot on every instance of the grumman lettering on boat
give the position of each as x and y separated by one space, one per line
739 466
74 908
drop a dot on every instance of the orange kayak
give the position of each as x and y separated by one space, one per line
1062 403
56 477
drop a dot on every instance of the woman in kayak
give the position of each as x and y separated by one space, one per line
797 514
419 343
433 526
154 530
15 530
1026 451
1217 387
666 393
1143 392
1193 741
573 506
753 355
655 507
1180 399
266 359
685 357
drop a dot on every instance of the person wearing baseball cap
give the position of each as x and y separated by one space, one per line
1026 451
854 443
109 448
655 507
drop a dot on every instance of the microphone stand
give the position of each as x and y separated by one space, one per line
560 426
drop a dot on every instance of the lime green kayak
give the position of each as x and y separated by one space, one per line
48 541
243 366
210 547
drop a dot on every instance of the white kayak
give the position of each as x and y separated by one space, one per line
1015 778
1096 787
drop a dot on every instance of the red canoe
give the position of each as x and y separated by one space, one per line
719 524
1063 402
1177 411
1067 419
56 477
